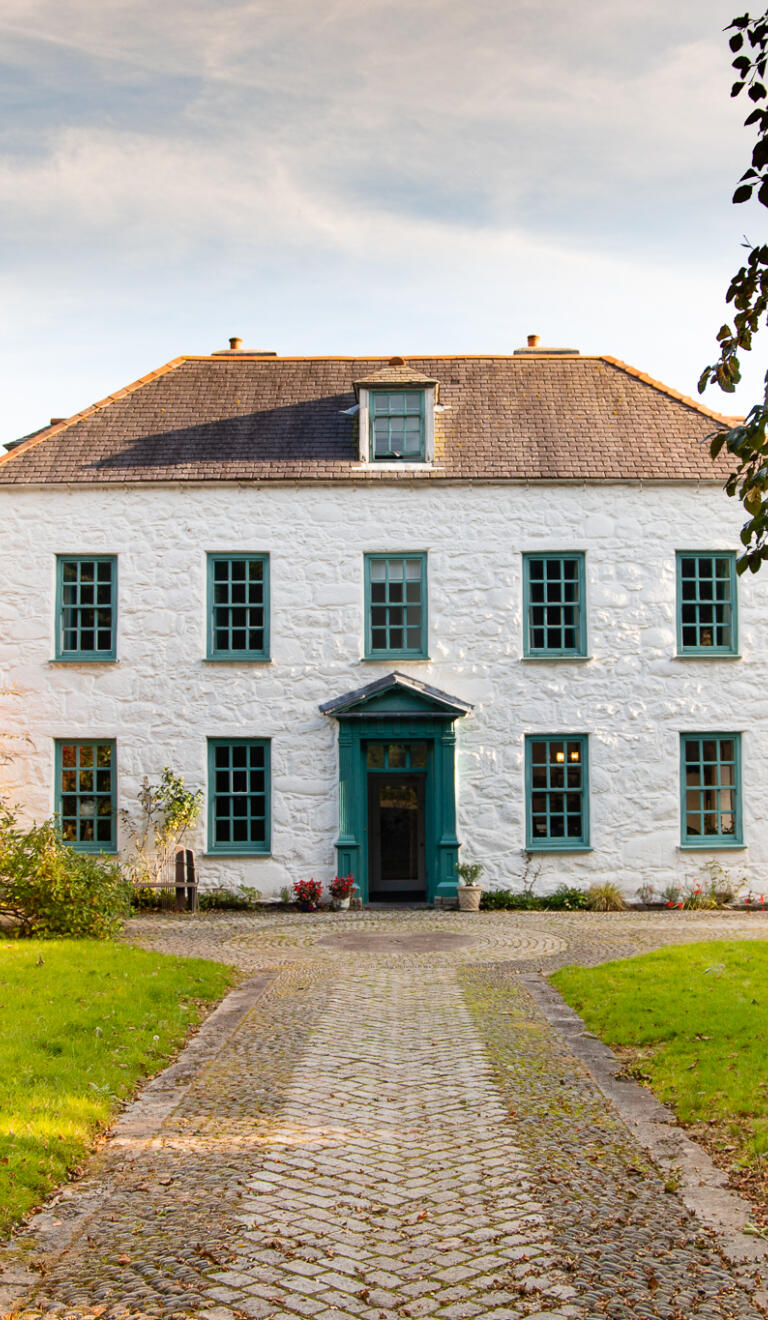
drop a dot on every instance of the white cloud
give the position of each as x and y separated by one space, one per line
358 174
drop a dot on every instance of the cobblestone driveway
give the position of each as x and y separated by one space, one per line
393 1130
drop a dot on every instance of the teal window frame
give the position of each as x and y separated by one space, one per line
542 800
545 616
394 410
234 767
696 598
76 599
375 621
227 589
724 777
80 781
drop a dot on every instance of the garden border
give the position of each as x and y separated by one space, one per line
701 1185
66 1211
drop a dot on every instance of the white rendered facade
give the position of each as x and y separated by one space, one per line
161 699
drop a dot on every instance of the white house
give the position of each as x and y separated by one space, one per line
383 611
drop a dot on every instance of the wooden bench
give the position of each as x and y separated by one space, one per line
183 881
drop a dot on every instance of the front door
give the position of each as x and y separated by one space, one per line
396 838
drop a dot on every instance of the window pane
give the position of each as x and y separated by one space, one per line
392 628
706 587
556 807
239 790
238 603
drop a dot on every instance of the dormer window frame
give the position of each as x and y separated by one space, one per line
366 415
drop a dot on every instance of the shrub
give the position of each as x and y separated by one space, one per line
563 899
221 899
49 889
605 897
508 900
167 811
567 899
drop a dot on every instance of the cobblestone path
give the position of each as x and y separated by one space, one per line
392 1131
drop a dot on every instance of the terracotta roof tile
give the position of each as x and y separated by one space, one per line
520 418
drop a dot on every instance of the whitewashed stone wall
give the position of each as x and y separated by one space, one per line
162 699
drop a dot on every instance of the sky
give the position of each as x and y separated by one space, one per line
363 177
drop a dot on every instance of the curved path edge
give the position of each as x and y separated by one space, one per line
701 1185
66 1211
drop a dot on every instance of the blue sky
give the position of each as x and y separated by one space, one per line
366 177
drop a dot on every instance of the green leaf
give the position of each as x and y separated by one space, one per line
742 193
756 92
736 42
717 444
737 86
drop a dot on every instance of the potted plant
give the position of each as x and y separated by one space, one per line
469 890
308 894
340 890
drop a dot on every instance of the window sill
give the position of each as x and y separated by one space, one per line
394 465
84 660
110 851
234 856
556 848
395 655
711 847
557 659
237 660
707 655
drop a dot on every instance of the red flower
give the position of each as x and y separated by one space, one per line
308 892
341 885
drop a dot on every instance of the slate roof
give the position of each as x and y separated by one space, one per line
529 417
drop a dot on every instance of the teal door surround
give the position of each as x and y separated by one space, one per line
398 709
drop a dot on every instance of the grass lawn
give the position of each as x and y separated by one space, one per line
81 1022
692 1022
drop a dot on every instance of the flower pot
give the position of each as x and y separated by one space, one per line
307 907
469 897
341 904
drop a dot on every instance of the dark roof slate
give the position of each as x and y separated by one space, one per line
525 418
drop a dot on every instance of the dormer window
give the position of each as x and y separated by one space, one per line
397 415
397 425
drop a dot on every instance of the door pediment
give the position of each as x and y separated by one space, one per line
396 694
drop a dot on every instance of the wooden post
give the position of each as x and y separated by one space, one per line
180 890
191 881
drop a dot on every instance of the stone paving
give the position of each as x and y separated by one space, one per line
392 1131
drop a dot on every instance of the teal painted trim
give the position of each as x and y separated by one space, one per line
62 650
531 625
569 848
554 659
233 653
440 797
713 847
394 653
707 652
701 842
76 819
378 406
236 847
557 843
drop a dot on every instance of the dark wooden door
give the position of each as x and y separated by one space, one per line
396 838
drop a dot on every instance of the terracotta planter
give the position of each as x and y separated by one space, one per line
469 897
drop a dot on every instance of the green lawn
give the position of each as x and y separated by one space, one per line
692 1022
81 1022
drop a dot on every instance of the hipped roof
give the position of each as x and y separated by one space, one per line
526 418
